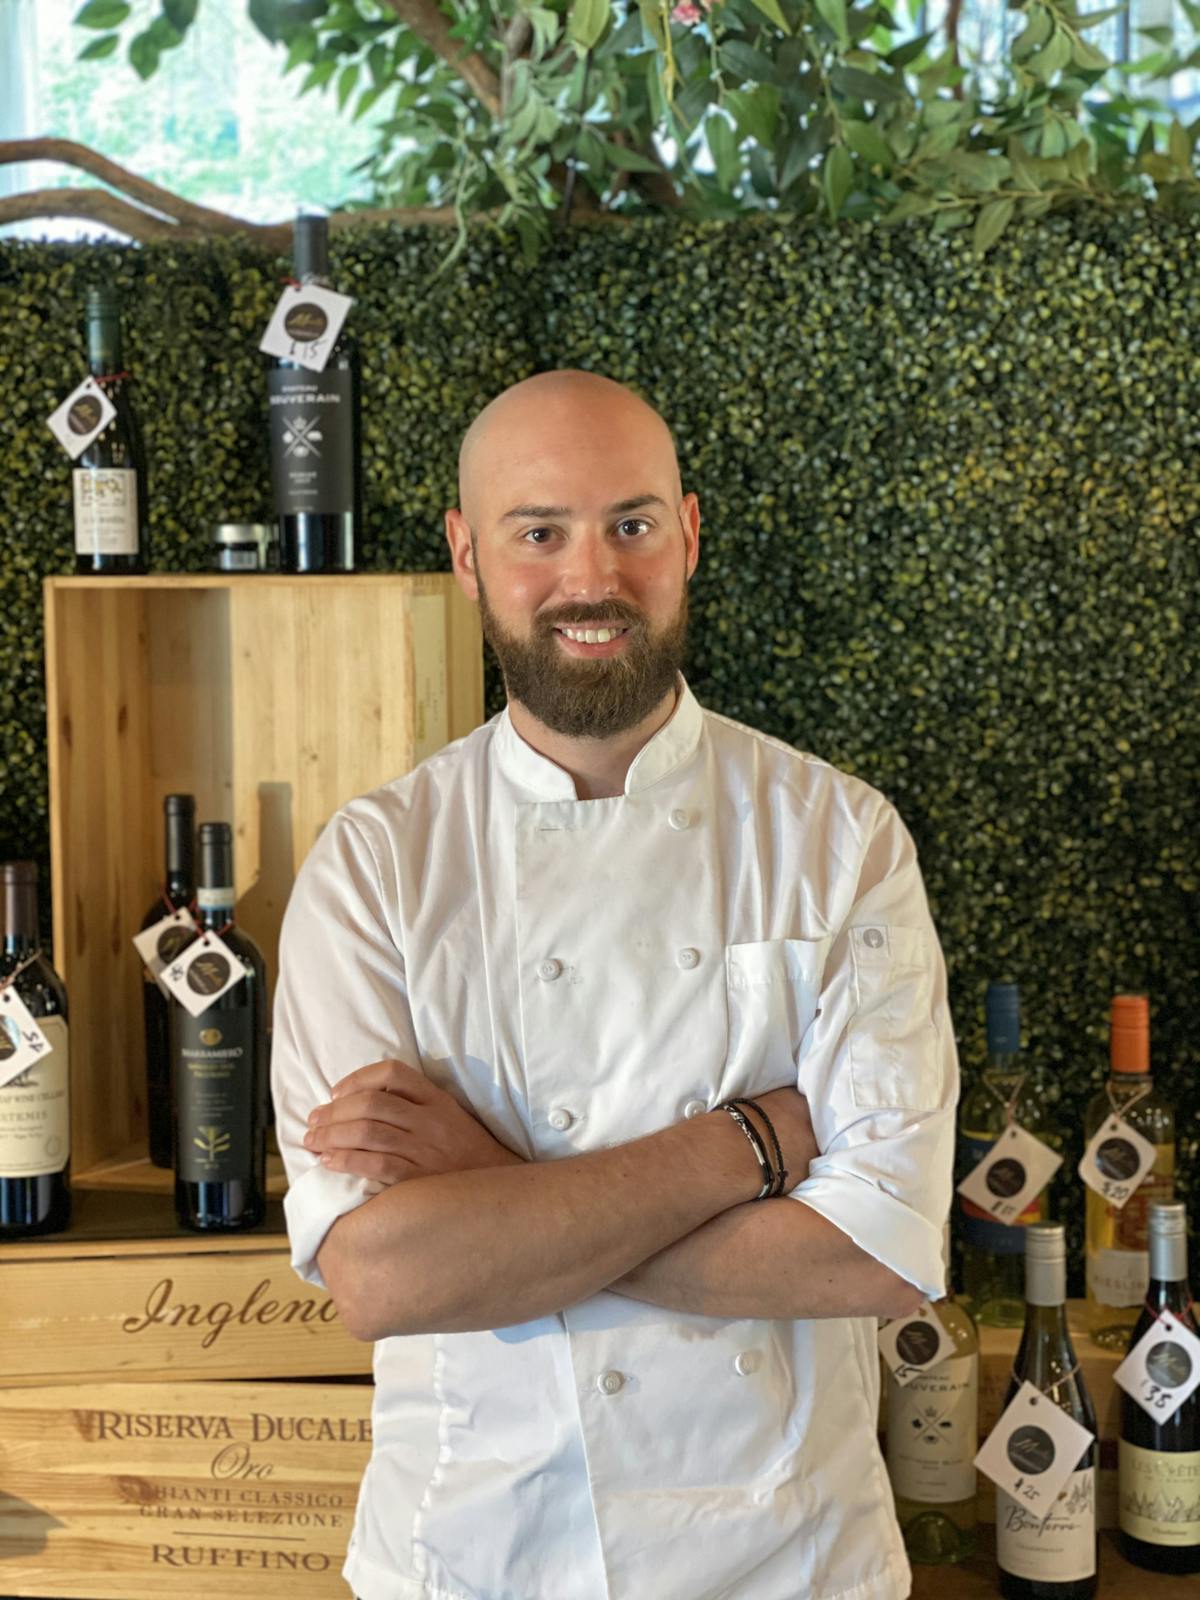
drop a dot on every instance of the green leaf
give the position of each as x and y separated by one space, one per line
774 11
100 48
1093 19
347 79
905 54
545 30
319 75
990 224
833 14
588 20
1053 58
302 48
1179 146
914 204
867 141
1161 36
756 112
1037 30
722 143
837 179
859 85
629 160
102 14
165 36
743 62
652 19
180 13
1088 57
143 55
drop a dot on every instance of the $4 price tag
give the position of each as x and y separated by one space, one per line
1163 1368
1116 1161
1012 1174
916 1344
305 324
1033 1450
202 973
22 1042
82 417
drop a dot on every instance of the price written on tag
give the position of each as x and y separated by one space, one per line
1116 1161
22 1042
305 324
160 944
916 1344
82 417
203 972
1163 1368
1033 1449
1012 1174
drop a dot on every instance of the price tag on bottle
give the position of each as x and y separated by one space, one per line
305 325
1012 1174
22 1042
202 973
159 944
915 1345
1116 1161
83 415
1163 1368
1032 1451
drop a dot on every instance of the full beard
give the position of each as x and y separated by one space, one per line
584 699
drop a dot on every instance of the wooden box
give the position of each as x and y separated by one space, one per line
181 1490
273 700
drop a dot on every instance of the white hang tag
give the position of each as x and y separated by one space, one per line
1033 1449
1163 1368
22 1042
202 973
1116 1160
83 415
915 1345
159 944
305 324
1012 1174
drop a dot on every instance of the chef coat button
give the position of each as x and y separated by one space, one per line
747 1361
610 1382
680 820
560 1120
695 1108
688 958
550 969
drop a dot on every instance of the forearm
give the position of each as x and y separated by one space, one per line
779 1259
504 1245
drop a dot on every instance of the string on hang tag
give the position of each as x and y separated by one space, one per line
7 983
1134 1099
1010 1105
1053 1387
1178 1315
173 909
108 377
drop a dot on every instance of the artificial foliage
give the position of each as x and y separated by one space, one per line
949 508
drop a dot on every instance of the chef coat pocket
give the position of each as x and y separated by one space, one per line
893 1042
772 986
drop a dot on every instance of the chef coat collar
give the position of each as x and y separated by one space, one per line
666 750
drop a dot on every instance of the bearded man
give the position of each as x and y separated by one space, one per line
615 1083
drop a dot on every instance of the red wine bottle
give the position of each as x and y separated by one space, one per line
179 890
109 478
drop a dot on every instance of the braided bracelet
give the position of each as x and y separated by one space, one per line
781 1171
752 1134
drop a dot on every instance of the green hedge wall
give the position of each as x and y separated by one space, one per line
949 509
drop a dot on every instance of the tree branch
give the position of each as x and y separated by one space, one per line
428 22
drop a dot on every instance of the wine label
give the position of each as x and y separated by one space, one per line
22 1040
163 941
913 1345
1057 1548
933 1433
214 1095
979 1230
312 441
1133 1219
1032 1451
1163 1368
305 324
35 1122
106 513
1116 1160
202 973
82 417
1158 1495
1118 1277
1012 1174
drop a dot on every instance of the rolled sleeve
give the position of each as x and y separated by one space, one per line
880 1071
341 1002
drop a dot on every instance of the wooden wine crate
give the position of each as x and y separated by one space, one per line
272 699
180 1490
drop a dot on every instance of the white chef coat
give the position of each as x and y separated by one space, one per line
582 973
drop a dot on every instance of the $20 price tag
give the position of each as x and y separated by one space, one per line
1033 1450
914 1345
203 972
1116 1161
22 1042
1012 1174
1163 1368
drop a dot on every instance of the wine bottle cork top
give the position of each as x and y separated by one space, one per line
1130 1033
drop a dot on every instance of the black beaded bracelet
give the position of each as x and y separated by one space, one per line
752 1134
781 1171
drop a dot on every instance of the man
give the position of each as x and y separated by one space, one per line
516 987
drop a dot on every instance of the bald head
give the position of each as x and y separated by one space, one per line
568 416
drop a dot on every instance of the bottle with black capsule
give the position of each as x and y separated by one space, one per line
314 428
219 1062
178 892
1159 1460
109 478
35 1106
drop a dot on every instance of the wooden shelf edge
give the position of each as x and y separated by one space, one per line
133 1171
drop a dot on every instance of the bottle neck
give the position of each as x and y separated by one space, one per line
1046 1286
104 345
180 862
1168 1258
215 905
1125 1086
1004 1063
18 918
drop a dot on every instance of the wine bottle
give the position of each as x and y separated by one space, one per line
35 1106
314 431
219 1062
179 890
932 1437
1159 1462
1118 1261
1054 1559
109 478
993 1265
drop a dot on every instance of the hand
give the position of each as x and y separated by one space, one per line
788 1111
389 1123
